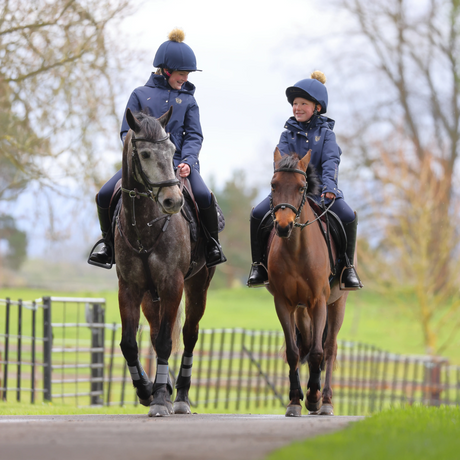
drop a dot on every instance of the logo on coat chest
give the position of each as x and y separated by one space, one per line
178 100
317 138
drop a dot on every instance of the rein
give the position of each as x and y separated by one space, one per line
299 210
133 194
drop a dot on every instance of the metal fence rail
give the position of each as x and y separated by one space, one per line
75 358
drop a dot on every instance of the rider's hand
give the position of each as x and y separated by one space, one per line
329 195
184 169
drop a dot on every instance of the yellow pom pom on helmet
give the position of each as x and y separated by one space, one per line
174 54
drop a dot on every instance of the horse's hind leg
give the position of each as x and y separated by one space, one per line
129 303
335 315
195 292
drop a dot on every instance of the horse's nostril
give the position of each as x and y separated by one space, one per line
168 203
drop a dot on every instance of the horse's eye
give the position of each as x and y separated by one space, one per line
273 187
302 189
145 154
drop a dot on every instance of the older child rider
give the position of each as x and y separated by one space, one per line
306 130
169 86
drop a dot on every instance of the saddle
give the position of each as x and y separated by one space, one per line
335 237
189 211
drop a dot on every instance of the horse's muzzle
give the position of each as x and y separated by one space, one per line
284 231
172 205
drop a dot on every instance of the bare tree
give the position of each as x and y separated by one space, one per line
59 66
404 87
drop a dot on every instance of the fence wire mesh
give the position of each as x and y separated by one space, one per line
61 349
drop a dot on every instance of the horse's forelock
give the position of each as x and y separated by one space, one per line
291 161
149 125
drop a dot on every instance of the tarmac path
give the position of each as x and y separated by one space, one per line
179 437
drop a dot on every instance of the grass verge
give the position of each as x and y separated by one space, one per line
411 433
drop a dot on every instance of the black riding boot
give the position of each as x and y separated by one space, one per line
104 256
213 254
258 275
349 280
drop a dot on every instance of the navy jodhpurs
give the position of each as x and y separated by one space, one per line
200 190
340 207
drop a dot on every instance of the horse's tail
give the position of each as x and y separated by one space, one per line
177 328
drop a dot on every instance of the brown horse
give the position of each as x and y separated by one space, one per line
298 274
156 261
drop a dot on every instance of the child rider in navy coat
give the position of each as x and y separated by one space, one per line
169 86
308 129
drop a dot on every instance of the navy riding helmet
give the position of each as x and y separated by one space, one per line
310 89
174 54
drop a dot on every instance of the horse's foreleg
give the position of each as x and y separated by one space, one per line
318 314
161 404
285 314
130 312
335 315
195 292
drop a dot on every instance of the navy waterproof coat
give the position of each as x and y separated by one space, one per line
318 136
184 126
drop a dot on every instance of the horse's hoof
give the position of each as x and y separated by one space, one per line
181 407
326 409
313 406
314 412
146 402
294 411
159 411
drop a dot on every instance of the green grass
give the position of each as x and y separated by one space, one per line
418 433
45 408
369 318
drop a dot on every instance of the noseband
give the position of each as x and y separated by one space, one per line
138 167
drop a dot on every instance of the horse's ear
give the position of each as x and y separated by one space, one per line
133 123
277 155
305 160
164 119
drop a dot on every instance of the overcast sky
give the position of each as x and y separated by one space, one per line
249 53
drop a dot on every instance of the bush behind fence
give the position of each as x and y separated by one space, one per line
61 349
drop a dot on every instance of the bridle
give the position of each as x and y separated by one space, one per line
133 194
297 211
138 171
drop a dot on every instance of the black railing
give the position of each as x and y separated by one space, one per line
75 361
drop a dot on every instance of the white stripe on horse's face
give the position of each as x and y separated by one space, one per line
156 160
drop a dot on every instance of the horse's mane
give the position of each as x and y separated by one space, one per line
150 126
291 162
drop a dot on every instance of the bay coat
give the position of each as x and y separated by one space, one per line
184 126
318 136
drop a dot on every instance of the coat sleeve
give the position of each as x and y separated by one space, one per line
135 106
330 159
193 137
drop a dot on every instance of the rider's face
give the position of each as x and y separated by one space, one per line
303 109
178 78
